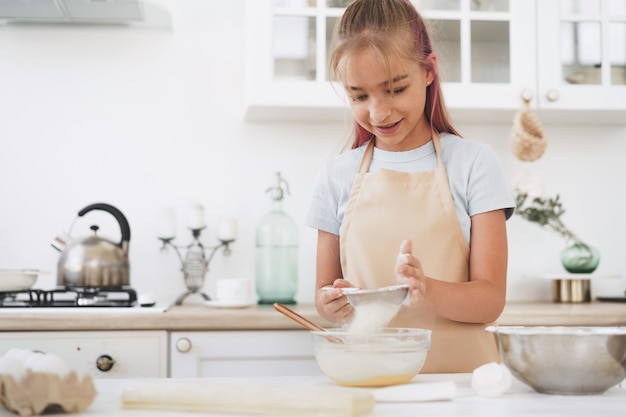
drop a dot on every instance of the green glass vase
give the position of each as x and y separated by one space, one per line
580 258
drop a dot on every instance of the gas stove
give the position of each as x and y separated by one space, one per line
70 297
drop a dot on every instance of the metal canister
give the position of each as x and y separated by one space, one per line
571 290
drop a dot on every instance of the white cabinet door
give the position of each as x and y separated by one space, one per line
242 353
103 354
581 49
485 53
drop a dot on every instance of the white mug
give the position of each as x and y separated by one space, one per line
233 290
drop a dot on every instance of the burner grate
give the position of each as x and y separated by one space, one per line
70 297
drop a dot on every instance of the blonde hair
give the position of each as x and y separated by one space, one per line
396 32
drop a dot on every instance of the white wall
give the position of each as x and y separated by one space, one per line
144 119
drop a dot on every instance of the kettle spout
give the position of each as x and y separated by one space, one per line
59 243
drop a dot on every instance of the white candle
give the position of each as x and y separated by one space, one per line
167 224
196 217
227 229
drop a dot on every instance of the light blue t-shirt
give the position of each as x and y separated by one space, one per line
474 172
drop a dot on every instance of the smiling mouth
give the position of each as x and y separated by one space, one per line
389 126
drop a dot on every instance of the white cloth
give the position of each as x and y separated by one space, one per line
475 175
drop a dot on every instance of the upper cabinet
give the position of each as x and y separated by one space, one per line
485 54
287 70
581 54
567 57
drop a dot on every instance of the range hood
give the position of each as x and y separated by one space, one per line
72 11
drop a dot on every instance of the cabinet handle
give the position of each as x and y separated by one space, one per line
552 95
183 345
527 95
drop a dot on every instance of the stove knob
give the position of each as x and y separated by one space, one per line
183 345
105 363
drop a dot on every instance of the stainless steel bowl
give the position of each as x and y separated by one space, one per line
564 360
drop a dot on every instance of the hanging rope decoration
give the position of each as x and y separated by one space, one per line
528 139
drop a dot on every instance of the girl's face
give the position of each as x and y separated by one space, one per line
393 113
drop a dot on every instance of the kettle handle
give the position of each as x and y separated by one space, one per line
121 219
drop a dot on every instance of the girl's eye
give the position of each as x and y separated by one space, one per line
399 90
362 97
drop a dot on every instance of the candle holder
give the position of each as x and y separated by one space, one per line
195 263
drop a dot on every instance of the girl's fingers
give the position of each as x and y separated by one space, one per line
406 246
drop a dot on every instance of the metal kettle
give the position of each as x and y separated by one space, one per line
94 261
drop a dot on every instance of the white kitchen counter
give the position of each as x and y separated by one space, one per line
519 401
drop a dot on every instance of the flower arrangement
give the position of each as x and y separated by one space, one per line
546 212
533 206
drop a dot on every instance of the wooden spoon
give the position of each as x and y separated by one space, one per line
303 321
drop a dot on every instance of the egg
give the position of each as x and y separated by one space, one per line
491 379
21 355
12 366
32 360
47 363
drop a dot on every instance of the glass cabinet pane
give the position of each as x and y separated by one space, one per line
581 52
490 5
437 5
294 3
445 37
473 46
593 41
294 47
580 6
330 27
338 3
617 52
490 52
616 7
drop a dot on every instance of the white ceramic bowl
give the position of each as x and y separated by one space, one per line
17 279
564 360
388 357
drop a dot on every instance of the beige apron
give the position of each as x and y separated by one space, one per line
386 207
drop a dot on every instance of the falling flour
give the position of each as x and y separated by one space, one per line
372 317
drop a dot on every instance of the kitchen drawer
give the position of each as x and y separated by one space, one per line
136 354
242 353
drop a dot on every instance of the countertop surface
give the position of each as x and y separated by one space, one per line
203 317
520 400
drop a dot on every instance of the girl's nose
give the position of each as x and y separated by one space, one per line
379 111
379 116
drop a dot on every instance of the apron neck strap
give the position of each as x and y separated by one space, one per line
367 157
366 160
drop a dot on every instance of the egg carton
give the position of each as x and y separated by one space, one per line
39 392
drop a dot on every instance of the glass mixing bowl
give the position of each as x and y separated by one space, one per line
389 356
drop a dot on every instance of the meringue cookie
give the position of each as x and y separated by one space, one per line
491 379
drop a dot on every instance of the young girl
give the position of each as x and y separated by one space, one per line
410 185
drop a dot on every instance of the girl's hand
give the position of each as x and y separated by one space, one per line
334 304
409 271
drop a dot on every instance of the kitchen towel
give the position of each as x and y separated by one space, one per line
417 392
